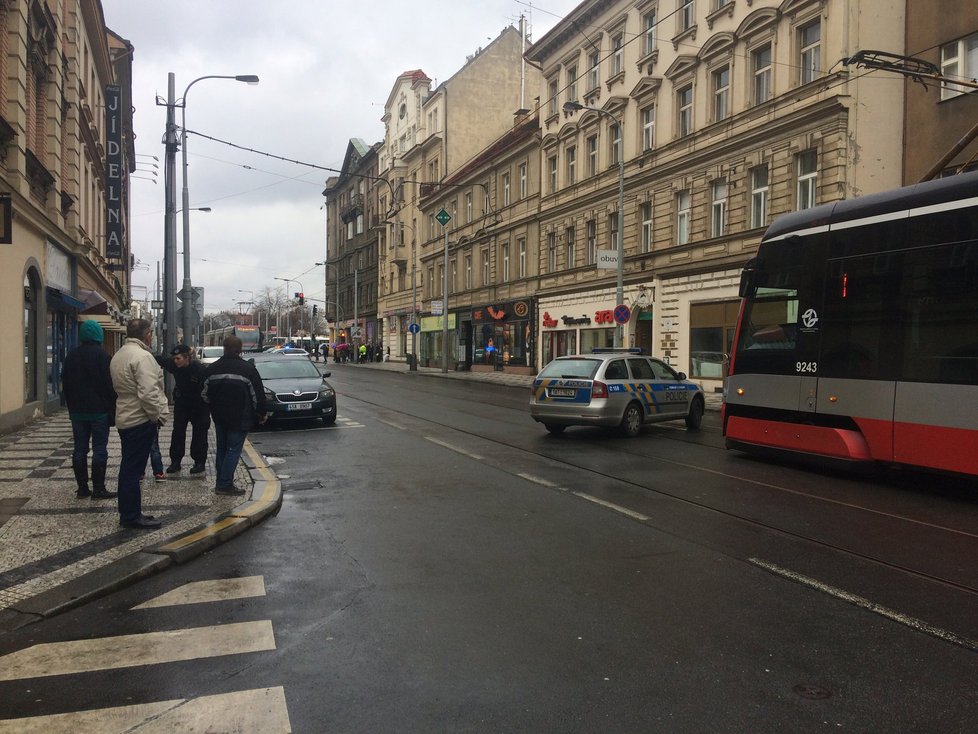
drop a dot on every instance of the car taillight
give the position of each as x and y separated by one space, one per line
599 390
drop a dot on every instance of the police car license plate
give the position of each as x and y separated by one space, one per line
298 406
562 392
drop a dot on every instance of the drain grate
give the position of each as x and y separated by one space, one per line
300 486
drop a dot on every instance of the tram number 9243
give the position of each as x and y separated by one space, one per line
806 368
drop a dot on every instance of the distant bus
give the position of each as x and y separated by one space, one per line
858 332
251 337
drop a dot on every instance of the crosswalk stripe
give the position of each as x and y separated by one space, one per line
199 592
261 709
127 651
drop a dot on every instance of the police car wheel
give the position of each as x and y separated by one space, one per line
631 420
554 428
695 416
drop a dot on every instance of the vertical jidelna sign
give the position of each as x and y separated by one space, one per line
113 167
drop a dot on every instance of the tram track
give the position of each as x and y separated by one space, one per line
753 522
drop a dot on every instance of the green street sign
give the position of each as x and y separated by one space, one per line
443 217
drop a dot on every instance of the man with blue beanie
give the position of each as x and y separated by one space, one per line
88 393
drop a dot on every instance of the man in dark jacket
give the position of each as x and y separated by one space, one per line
188 408
236 396
88 393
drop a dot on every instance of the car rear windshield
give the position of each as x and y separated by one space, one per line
212 352
581 369
285 367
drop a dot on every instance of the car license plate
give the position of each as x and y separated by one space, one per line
298 406
562 392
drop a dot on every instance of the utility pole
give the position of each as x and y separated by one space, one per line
169 223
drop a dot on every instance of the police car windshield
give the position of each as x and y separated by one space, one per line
286 367
581 369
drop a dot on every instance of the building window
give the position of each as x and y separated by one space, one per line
758 196
551 252
617 54
711 331
485 267
761 64
648 127
522 180
687 14
810 43
552 87
647 227
571 247
571 157
431 282
592 155
593 73
721 93
683 216
958 60
592 241
648 32
521 254
718 210
807 170
552 174
468 207
572 83
468 272
616 153
453 277
506 190
684 103
505 259
613 231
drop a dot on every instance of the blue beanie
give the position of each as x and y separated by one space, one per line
91 331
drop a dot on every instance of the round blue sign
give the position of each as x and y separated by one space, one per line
622 314
414 328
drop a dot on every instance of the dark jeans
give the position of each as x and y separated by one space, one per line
228 450
200 420
137 442
97 432
155 456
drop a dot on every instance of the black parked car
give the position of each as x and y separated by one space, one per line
295 389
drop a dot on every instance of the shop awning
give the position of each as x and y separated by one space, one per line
57 298
106 322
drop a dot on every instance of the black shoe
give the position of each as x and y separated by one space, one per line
198 469
232 490
143 523
173 469
103 494
146 517
83 493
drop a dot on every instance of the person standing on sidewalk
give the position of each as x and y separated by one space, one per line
236 396
189 408
88 393
141 409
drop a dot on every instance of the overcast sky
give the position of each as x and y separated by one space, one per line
326 69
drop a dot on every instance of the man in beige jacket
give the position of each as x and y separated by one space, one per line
140 409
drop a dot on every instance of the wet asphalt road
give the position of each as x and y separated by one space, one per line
441 563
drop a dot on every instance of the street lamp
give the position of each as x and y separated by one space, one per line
187 289
619 287
301 308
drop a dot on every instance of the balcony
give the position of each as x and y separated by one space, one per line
353 209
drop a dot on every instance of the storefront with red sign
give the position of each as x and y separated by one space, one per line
502 337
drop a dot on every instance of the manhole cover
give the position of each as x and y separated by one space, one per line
812 692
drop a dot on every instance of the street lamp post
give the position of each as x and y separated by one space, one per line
619 286
289 319
187 290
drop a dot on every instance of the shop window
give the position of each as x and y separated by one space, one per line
558 344
711 329
597 339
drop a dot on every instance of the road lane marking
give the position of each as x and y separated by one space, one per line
261 709
538 480
456 449
612 506
863 603
200 592
391 424
127 651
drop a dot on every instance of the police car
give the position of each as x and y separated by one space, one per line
614 388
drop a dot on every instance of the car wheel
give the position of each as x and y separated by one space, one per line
631 420
329 420
554 428
695 416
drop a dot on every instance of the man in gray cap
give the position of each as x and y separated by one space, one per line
86 386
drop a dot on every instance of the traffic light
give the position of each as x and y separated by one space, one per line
302 298
315 310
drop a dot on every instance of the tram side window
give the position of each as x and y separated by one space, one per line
939 293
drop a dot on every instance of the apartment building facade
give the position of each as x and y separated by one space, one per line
941 128
66 152
726 113
430 133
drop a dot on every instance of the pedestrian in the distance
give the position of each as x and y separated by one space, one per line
236 396
88 393
189 408
141 408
